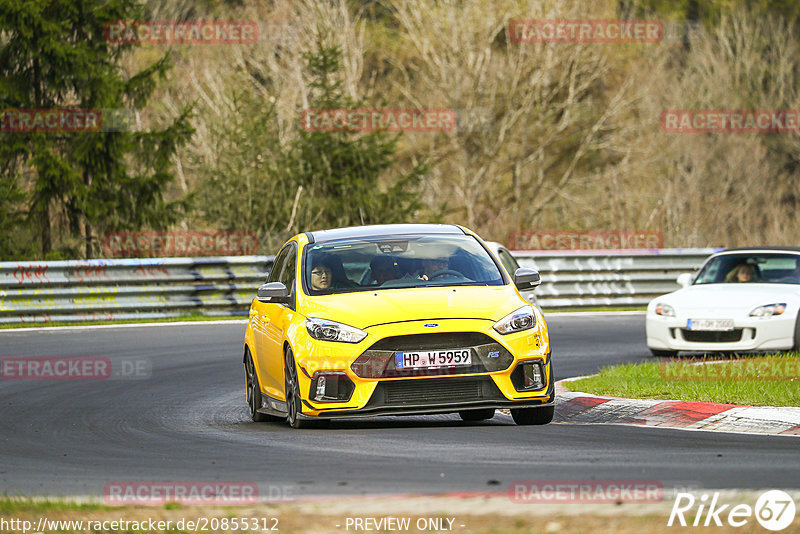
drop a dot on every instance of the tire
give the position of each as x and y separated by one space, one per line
477 415
658 353
253 390
533 416
797 334
292 387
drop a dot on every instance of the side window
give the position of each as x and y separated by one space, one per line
289 272
277 265
508 261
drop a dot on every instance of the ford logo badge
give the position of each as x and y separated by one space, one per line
431 325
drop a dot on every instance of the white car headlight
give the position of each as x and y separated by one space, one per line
769 310
517 321
325 330
665 309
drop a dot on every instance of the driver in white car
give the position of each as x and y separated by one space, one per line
744 272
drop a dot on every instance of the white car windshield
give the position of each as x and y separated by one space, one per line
397 262
764 268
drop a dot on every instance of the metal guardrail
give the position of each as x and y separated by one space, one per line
92 290
609 278
151 288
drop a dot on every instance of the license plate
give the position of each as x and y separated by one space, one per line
427 359
718 325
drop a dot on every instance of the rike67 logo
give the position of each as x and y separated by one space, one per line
774 510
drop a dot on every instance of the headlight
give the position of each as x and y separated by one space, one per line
517 321
769 310
665 309
325 330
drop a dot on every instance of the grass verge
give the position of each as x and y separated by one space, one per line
30 505
753 380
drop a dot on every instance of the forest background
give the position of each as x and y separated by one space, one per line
548 135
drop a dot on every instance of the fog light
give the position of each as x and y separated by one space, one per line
321 381
533 376
528 376
331 386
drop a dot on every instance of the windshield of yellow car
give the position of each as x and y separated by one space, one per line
397 262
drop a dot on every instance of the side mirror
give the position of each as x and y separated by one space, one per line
526 279
685 279
274 292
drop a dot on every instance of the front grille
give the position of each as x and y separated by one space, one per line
702 336
449 340
379 360
432 391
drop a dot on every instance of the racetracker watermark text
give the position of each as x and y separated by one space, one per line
126 244
584 239
74 368
191 493
181 32
585 31
765 369
759 121
67 120
375 120
585 491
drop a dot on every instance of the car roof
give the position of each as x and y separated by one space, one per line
795 250
379 230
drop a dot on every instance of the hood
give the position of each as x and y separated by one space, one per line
730 297
369 308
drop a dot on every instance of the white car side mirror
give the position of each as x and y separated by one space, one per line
685 279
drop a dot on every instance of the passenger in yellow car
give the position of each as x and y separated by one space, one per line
327 273
321 276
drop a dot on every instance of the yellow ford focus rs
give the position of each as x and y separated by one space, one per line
394 320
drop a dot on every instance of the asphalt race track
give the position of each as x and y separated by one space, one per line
187 421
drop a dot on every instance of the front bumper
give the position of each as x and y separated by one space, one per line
749 334
441 391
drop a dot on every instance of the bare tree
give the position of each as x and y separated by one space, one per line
548 105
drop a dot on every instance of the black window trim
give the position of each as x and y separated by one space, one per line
288 249
506 279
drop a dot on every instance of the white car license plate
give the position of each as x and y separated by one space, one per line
427 359
717 325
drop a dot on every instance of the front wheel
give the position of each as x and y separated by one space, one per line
533 416
294 403
253 390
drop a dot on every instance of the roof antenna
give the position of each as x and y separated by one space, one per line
361 212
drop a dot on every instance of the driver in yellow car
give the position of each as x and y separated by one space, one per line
431 266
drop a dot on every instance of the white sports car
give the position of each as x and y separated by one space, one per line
741 300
